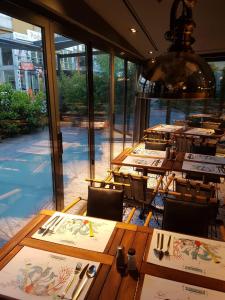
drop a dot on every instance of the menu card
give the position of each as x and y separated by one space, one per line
37 274
205 158
139 161
77 231
201 167
155 288
190 254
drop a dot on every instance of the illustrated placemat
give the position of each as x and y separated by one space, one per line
205 158
78 231
201 167
200 131
167 128
188 253
146 161
140 150
37 274
155 288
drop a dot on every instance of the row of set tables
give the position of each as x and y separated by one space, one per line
156 161
184 130
45 262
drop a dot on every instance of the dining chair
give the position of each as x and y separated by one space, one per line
211 125
203 148
105 203
156 145
194 188
186 217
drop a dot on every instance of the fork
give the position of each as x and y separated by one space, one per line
76 271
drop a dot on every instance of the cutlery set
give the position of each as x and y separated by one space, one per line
85 274
158 251
50 226
155 162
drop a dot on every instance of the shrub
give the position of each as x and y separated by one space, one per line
19 112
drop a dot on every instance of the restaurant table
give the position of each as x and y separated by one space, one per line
142 162
164 128
184 131
200 164
108 284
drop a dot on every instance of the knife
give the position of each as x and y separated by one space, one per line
80 279
49 224
53 225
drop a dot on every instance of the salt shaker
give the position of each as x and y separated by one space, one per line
131 263
131 260
167 152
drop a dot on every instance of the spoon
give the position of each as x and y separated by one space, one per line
156 250
90 273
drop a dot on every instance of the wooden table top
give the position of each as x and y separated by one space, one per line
182 130
119 160
109 284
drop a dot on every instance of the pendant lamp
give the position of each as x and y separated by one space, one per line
180 73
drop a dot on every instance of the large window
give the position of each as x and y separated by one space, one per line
25 153
101 112
74 122
119 79
130 102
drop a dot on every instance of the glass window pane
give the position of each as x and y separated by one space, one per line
101 112
119 75
131 92
25 151
73 105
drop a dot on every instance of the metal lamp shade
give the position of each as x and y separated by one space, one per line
178 75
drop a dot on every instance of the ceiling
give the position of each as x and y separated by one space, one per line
154 18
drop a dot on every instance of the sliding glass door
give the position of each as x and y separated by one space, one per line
26 183
71 72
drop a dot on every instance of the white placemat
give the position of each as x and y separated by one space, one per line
190 254
155 288
200 131
76 230
146 161
201 167
167 128
205 158
37 274
140 150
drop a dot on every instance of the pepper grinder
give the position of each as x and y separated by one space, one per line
131 263
120 260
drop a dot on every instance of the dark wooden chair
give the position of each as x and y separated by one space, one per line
156 145
105 203
186 216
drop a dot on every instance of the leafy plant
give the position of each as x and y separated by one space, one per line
19 112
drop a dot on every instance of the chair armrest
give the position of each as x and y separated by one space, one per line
158 184
71 205
147 221
222 231
130 216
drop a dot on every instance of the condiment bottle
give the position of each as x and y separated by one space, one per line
131 263
120 260
167 152
131 260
